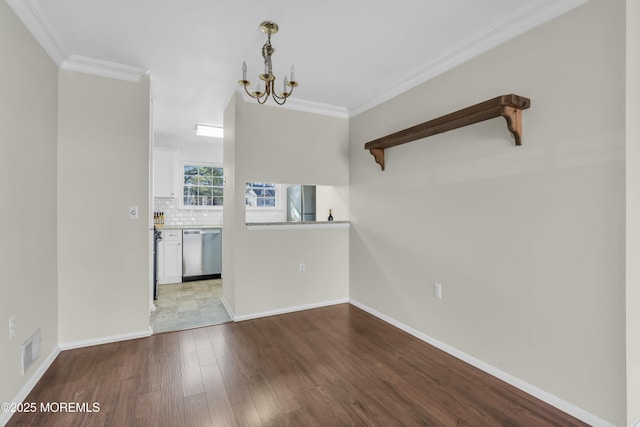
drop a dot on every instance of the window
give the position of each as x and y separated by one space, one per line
202 185
261 194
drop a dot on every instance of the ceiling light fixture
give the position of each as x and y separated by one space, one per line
209 130
269 79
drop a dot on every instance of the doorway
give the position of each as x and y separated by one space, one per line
190 304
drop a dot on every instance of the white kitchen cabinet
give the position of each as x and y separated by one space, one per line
170 257
163 173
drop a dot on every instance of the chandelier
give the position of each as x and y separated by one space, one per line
267 77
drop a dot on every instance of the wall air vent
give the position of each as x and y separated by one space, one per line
31 351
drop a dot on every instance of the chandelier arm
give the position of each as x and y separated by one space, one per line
277 98
280 97
273 94
267 92
258 98
285 93
290 92
249 93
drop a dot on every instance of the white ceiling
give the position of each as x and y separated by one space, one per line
349 54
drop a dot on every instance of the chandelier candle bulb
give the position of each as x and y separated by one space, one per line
244 70
293 73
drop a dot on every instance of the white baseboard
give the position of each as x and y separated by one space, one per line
30 384
227 307
549 398
105 340
289 310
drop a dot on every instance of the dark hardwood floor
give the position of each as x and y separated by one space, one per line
330 366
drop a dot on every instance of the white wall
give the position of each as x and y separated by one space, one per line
267 277
633 212
528 242
103 168
28 123
278 145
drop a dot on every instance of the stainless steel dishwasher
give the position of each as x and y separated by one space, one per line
201 254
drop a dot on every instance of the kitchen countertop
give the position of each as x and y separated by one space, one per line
290 225
266 225
185 227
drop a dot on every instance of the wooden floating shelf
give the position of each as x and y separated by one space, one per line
508 106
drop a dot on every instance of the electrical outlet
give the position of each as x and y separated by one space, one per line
301 268
12 327
437 290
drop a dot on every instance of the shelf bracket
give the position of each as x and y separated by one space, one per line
508 106
513 116
378 153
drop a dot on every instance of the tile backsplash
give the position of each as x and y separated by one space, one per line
175 216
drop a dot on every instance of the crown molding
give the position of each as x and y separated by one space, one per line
103 68
32 16
297 104
524 19
521 21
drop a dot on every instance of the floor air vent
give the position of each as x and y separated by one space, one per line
30 351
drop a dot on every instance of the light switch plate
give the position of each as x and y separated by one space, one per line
133 212
437 290
12 327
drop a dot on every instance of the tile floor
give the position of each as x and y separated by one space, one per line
188 305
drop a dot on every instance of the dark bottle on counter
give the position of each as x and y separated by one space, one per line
330 216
